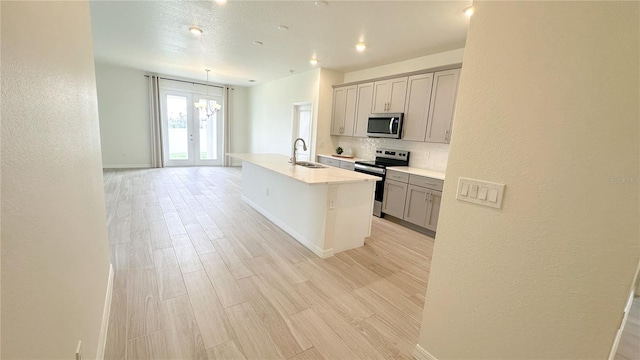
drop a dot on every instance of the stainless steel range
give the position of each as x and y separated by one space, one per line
378 167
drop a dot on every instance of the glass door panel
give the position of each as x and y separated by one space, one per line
177 127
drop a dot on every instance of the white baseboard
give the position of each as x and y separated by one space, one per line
296 235
421 354
126 166
102 341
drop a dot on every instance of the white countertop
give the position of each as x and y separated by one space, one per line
417 171
353 159
280 164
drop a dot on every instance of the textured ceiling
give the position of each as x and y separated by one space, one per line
154 36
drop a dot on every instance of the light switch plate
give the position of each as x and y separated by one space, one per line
468 190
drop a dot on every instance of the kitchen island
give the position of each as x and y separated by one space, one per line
328 210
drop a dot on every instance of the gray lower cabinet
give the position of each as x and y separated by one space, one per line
416 206
329 161
395 194
434 210
347 165
413 198
342 164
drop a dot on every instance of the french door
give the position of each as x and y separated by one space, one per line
190 137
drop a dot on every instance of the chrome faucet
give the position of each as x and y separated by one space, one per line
304 147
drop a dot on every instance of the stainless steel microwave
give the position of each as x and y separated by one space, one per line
385 125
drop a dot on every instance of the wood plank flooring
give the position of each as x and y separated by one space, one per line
201 275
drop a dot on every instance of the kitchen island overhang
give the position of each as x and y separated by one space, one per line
328 210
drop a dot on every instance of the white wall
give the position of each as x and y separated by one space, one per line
325 143
123 103
270 107
55 256
240 134
548 105
424 62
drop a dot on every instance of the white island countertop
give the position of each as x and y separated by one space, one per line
417 171
280 163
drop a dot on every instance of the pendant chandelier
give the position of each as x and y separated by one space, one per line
208 107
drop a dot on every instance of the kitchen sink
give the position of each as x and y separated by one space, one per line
310 165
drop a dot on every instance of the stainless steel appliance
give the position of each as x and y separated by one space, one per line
378 167
385 125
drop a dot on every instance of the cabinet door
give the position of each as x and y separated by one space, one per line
363 109
394 197
397 95
339 111
434 209
443 101
350 110
417 205
381 91
416 110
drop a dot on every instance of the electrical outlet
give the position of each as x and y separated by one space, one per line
332 204
79 350
426 154
124 155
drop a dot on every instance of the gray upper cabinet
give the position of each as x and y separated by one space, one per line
443 100
363 109
416 111
344 110
389 95
427 101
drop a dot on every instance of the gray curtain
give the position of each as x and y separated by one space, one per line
157 152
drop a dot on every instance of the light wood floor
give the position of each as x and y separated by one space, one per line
629 347
199 274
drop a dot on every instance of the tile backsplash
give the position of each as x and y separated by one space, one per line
366 148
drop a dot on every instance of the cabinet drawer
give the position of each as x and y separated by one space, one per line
427 182
347 165
328 161
397 176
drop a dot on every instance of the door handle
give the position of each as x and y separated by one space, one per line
391 125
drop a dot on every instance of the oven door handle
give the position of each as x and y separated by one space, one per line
364 168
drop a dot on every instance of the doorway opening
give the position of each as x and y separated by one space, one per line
302 129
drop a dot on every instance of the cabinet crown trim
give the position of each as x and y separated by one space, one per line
417 72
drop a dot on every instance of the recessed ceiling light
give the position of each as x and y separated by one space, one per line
361 46
314 61
469 11
291 71
283 27
257 43
195 30
321 3
251 80
220 1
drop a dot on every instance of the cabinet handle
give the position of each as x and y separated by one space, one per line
430 197
446 136
425 196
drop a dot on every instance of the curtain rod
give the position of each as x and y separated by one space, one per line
188 82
